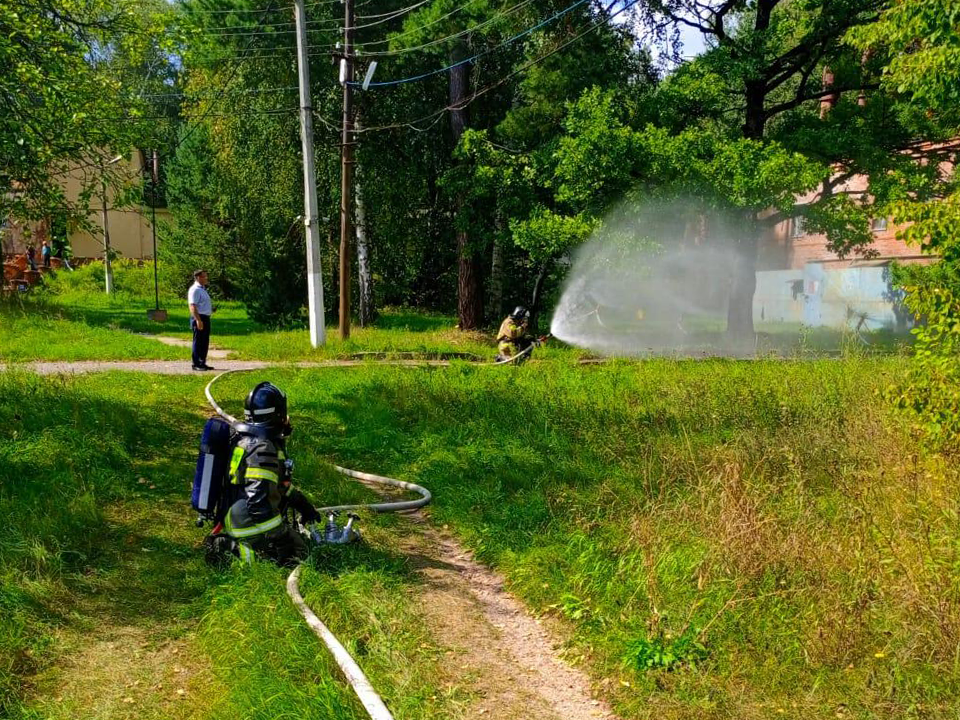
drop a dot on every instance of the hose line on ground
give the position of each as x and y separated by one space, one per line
371 701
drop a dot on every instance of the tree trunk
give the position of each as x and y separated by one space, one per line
367 311
495 306
536 297
744 283
469 285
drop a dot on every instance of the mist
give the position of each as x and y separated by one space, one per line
654 279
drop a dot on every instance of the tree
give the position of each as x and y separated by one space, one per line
918 45
62 105
770 63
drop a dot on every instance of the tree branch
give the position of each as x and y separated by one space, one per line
800 99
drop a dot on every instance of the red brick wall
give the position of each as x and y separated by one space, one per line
779 251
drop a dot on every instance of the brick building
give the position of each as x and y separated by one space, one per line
799 280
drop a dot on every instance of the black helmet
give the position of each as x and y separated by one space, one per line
266 406
520 313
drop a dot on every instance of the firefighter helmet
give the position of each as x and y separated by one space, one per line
266 406
520 313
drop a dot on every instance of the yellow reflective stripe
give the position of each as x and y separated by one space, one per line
235 465
257 529
246 553
261 474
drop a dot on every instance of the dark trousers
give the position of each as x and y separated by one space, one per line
201 340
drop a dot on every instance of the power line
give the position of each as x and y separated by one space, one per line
389 16
233 74
438 41
251 91
203 11
239 113
419 28
437 115
480 54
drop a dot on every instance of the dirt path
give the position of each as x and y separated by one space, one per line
213 353
507 656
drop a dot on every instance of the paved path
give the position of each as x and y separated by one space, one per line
180 367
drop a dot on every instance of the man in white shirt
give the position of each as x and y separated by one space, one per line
201 308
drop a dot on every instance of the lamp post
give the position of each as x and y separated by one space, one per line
107 267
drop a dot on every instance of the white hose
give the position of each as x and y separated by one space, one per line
358 681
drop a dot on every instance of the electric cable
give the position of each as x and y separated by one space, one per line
190 10
415 78
251 91
236 67
459 106
420 27
439 41
394 15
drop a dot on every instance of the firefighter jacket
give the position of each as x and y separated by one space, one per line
265 491
511 338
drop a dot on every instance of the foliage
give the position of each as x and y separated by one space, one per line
66 103
929 397
665 651
919 46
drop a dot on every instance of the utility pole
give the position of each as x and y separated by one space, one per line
154 179
318 331
346 172
107 267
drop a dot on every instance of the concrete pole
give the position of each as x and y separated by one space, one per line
107 267
318 331
346 173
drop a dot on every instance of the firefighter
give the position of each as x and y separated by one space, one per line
512 339
261 474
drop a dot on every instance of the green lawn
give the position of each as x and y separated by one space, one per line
72 319
723 539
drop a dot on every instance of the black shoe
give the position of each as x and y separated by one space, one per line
206 367
197 367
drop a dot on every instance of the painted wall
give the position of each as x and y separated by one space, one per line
131 233
823 295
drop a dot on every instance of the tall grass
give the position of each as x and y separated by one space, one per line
722 539
755 528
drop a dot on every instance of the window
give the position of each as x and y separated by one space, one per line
878 224
798 226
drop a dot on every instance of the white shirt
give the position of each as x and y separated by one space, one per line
198 295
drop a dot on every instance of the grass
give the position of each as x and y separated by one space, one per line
763 511
70 318
721 539
109 610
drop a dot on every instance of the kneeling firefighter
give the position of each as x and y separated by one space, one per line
257 491
513 338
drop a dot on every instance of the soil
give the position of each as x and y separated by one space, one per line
505 655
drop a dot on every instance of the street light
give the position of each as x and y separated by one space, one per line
108 268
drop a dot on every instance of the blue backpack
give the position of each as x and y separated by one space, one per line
212 494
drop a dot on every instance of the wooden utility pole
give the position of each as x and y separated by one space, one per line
318 332
346 173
